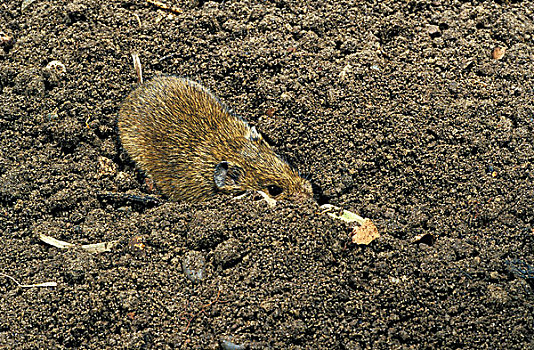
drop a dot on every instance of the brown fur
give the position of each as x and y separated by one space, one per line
178 132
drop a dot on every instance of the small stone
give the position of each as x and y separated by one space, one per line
343 75
270 112
433 31
466 64
227 253
228 345
25 4
6 41
18 206
426 238
54 72
494 275
453 87
286 96
106 167
56 67
498 53
193 266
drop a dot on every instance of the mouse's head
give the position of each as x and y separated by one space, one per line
253 165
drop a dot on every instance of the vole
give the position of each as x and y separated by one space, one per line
193 146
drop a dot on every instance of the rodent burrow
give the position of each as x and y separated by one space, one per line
192 146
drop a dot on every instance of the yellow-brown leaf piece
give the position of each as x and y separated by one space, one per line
365 233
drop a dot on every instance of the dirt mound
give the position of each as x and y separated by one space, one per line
403 112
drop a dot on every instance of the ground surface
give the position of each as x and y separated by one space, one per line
396 110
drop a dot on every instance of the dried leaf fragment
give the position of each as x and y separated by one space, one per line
341 214
365 233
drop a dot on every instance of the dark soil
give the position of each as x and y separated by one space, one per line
396 110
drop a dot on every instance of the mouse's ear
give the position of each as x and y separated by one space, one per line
227 175
252 134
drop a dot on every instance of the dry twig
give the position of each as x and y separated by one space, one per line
164 6
45 284
90 248
138 68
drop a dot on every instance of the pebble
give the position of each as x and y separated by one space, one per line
227 253
228 345
433 31
498 53
56 67
54 72
106 166
25 4
193 266
6 40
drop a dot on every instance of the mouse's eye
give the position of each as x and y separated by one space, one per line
274 190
